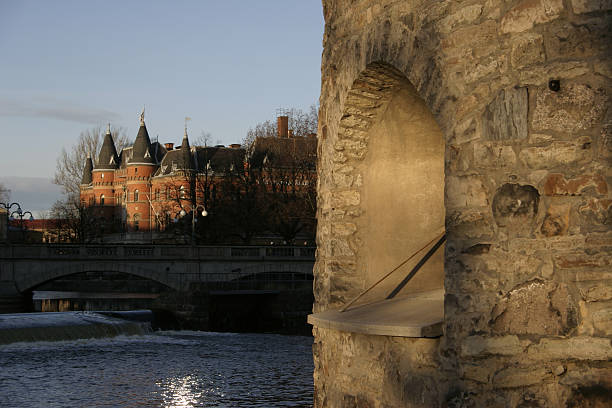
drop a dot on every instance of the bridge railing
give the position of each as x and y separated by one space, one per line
135 251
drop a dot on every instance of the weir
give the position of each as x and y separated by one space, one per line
29 327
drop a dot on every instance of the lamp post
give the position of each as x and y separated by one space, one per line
8 207
10 215
193 219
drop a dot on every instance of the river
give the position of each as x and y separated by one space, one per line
160 369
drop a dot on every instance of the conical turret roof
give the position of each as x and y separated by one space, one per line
186 160
142 146
87 179
108 158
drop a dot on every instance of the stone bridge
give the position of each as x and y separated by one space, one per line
28 266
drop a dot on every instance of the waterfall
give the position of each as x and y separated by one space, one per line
21 327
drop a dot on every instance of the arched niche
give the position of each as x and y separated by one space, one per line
402 171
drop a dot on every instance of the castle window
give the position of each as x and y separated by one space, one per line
135 195
135 170
157 195
102 199
182 192
103 176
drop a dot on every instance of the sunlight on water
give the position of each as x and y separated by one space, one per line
164 369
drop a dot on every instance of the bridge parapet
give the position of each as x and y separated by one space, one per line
151 252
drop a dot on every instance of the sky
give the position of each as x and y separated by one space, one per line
68 66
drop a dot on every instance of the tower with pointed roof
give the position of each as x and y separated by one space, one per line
141 166
103 181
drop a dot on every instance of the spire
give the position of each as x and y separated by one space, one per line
187 161
86 179
108 159
142 145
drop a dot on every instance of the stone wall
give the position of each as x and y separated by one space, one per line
520 91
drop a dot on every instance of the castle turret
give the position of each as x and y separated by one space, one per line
108 158
140 169
186 161
142 146
86 179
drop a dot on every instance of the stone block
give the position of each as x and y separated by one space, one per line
575 348
527 49
597 293
557 185
535 307
505 118
602 321
581 260
557 154
556 220
520 377
494 156
479 346
597 211
465 191
527 13
539 75
587 6
575 107
466 15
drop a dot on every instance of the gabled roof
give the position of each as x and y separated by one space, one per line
284 152
108 158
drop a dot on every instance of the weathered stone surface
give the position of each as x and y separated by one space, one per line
536 307
587 6
529 12
532 263
556 221
479 346
557 185
467 191
520 377
573 108
506 117
602 321
491 155
576 348
527 49
557 154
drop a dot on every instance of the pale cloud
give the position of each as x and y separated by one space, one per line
49 107
34 194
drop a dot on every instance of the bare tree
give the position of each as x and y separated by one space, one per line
302 123
70 163
5 193
205 139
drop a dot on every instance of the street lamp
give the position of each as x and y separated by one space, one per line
10 215
8 207
193 217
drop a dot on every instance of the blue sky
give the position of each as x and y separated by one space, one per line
71 65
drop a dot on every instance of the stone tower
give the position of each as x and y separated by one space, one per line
490 121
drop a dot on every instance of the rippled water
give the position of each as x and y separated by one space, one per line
165 369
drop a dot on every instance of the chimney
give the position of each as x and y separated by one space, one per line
282 126
169 146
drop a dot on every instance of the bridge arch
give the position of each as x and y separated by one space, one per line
27 281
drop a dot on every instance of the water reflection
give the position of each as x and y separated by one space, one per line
168 369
